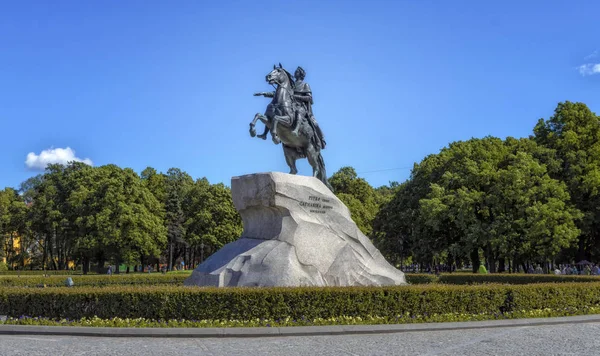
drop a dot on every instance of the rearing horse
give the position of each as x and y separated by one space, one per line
280 116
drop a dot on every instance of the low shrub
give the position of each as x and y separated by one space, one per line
176 302
341 320
93 280
471 278
421 278
42 273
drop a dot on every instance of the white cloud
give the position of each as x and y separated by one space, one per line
593 55
589 69
53 155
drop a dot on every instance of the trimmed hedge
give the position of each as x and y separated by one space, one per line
472 278
178 278
165 302
421 278
94 280
41 273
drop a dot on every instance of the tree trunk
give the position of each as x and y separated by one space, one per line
170 268
10 251
52 260
580 255
501 265
475 259
86 265
490 260
100 266
45 253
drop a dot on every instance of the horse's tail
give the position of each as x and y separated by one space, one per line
322 176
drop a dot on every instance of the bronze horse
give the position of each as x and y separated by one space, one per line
281 115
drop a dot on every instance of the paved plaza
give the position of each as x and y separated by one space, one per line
563 339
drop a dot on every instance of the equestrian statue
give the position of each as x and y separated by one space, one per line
290 119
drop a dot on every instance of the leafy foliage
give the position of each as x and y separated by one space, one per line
358 195
262 322
483 194
166 302
81 214
572 134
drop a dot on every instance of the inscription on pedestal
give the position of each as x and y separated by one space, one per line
316 204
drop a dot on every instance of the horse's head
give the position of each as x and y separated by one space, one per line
279 76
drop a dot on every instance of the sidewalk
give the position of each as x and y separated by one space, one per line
284 331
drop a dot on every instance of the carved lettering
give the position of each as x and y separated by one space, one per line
314 204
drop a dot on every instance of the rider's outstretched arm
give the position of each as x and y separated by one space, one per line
265 94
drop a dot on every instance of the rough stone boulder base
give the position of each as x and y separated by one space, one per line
296 233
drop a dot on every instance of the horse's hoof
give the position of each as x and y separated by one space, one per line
252 132
264 137
276 140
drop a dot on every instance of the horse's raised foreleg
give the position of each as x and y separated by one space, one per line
264 120
291 155
264 134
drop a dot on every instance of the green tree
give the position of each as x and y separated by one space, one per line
51 214
573 134
358 195
10 214
119 219
178 184
156 183
485 195
211 219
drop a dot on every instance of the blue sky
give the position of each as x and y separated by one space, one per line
169 84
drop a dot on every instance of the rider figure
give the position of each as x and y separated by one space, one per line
303 96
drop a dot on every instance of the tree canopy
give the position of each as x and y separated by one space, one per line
506 203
